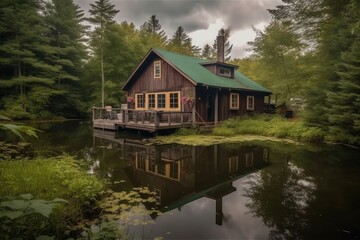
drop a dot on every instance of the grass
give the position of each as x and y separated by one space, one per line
49 178
271 126
255 128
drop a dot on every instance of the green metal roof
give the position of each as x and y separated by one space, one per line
192 68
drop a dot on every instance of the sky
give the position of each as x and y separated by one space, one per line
201 19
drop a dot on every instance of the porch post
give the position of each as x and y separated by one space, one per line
216 112
193 115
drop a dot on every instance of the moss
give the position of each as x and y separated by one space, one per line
260 127
207 140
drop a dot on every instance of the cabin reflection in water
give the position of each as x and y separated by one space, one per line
181 174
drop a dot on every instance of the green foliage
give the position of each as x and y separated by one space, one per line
15 212
47 179
185 131
273 126
110 230
182 43
41 56
24 205
18 129
128 206
277 51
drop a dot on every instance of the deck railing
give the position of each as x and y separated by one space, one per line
152 117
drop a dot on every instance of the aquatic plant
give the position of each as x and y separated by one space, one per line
48 179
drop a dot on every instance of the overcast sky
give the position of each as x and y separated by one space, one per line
201 19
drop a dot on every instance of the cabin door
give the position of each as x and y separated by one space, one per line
210 103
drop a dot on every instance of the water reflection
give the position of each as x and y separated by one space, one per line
182 174
254 190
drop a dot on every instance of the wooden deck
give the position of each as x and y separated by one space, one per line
150 121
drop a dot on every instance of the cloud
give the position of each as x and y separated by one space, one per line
193 14
197 17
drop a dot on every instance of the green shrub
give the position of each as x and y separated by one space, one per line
48 179
185 131
270 125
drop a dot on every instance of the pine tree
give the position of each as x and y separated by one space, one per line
66 35
182 43
102 15
24 51
344 113
206 52
344 97
153 35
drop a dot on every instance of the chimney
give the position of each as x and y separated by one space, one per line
220 49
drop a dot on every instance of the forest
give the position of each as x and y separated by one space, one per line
56 61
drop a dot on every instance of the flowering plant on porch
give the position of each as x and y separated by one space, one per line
130 100
188 100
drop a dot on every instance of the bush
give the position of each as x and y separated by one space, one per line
48 179
270 125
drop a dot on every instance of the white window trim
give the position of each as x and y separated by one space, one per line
238 101
157 64
248 101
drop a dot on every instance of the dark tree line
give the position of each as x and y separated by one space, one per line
54 65
310 53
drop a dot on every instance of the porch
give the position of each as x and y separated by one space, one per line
147 120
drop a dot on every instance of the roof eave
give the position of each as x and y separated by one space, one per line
136 69
175 67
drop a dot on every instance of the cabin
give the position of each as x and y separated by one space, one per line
170 90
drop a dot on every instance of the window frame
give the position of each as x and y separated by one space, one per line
249 159
248 107
177 102
224 74
148 101
137 102
157 64
157 101
233 164
232 107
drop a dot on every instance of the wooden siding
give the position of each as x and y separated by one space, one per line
204 103
214 68
171 80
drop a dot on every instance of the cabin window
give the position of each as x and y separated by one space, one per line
250 103
152 165
174 100
174 170
140 101
234 101
151 101
224 72
157 69
233 164
249 159
161 100
161 168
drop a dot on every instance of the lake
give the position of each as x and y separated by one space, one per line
250 190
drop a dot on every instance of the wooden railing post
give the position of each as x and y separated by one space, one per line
122 115
169 119
157 118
